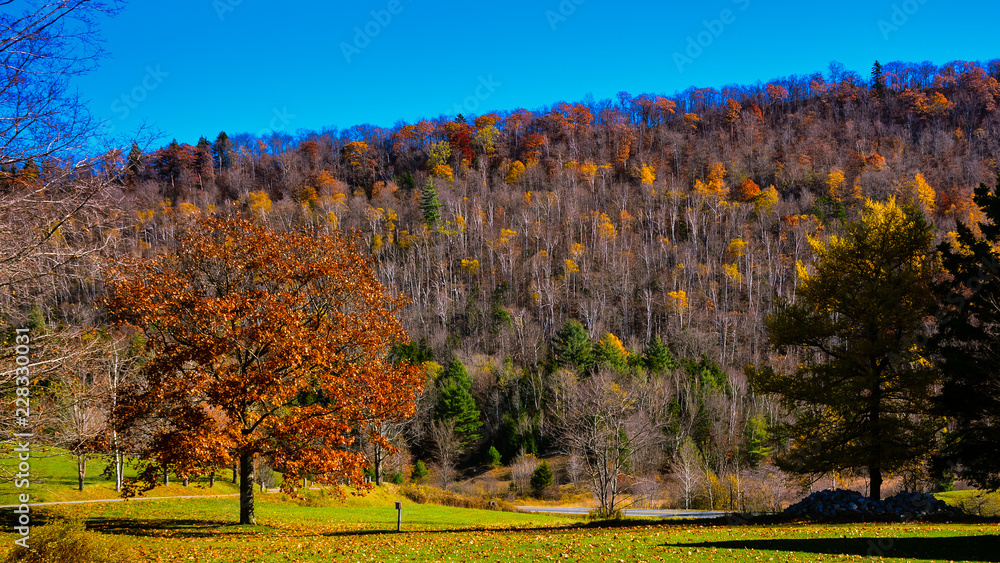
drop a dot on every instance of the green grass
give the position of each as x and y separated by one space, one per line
323 526
976 503
363 530
54 478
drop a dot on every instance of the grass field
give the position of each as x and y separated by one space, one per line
363 529
325 527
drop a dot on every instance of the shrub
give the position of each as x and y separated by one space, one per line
431 495
419 472
67 541
495 459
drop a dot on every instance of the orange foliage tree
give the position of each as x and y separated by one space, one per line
262 343
746 191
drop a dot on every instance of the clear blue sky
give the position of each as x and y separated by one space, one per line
197 67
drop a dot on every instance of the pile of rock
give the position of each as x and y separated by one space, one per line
852 505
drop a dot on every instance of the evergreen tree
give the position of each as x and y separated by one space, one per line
222 152
864 385
495 460
878 80
429 204
541 479
455 402
419 472
413 352
657 357
133 166
969 342
572 347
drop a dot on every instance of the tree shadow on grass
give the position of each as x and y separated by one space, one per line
962 548
172 527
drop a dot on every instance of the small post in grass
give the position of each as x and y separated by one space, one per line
399 515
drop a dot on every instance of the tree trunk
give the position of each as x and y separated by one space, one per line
211 480
875 475
81 469
378 465
875 467
118 470
235 473
166 475
247 513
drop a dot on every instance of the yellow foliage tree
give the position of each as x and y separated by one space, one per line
766 200
732 272
442 171
470 265
647 175
515 172
588 171
919 193
715 187
678 300
835 183
605 228
260 203
737 247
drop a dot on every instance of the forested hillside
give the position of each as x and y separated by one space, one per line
668 227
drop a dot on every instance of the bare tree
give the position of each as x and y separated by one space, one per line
42 50
119 366
611 420
381 443
57 213
447 448
687 469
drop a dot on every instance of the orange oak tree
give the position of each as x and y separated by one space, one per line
262 343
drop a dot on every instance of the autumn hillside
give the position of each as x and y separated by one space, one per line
669 226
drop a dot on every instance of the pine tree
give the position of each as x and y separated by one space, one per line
455 402
222 151
419 472
862 392
495 459
133 165
878 80
657 357
541 479
429 204
572 347
969 345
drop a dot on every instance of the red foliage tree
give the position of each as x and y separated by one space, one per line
262 344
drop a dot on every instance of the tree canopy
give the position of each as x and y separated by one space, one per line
864 384
970 345
262 343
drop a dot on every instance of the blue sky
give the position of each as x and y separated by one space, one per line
197 67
